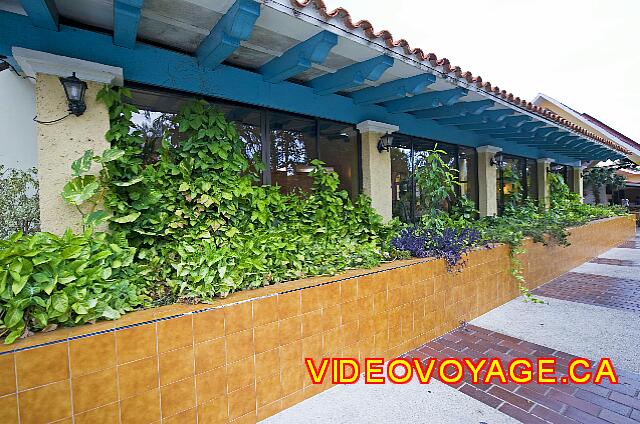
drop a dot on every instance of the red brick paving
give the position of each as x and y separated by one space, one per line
617 293
630 244
533 403
619 262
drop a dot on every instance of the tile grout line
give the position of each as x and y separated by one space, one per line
73 418
15 370
255 370
193 352
226 386
158 368
115 343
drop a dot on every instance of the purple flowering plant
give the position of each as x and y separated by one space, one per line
450 244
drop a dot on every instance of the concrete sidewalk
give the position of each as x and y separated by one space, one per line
592 311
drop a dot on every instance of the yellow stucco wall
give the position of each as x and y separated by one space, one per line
60 143
376 174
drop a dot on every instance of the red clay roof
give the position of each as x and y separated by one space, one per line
386 36
611 130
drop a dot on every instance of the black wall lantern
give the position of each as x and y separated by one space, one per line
497 160
74 88
385 142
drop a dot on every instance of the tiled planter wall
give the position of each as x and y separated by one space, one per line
240 360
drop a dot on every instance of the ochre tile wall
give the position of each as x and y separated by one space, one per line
242 361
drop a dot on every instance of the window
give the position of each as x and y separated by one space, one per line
402 190
293 147
420 151
532 179
407 154
468 173
517 179
510 179
249 126
338 148
562 170
285 143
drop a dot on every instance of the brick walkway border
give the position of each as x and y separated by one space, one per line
618 262
617 293
532 403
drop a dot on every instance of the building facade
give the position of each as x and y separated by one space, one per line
301 83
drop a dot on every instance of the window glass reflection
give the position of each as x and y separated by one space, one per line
408 154
532 179
293 147
402 178
510 181
338 144
468 173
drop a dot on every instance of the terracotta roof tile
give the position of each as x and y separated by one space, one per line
454 71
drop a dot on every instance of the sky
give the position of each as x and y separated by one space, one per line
584 53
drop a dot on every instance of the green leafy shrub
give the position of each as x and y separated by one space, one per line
203 225
597 177
46 281
445 218
19 210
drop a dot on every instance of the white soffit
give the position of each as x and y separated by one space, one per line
376 127
33 61
590 125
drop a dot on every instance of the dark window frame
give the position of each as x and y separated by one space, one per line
411 146
525 180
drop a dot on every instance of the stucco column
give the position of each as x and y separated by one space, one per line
60 143
575 181
543 182
376 166
487 199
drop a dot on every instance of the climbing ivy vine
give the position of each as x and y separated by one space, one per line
203 225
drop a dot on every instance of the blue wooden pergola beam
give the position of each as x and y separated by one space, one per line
234 26
126 18
458 109
537 133
523 132
393 90
508 122
164 68
486 117
426 100
351 76
42 13
531 138
300 57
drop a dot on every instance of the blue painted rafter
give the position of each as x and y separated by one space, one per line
458 109
538 133
486 117
234 26
529 138
524 131
509 121
351 76
126 17
42 13
393 90
552 137
300 57
426 100
566 138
